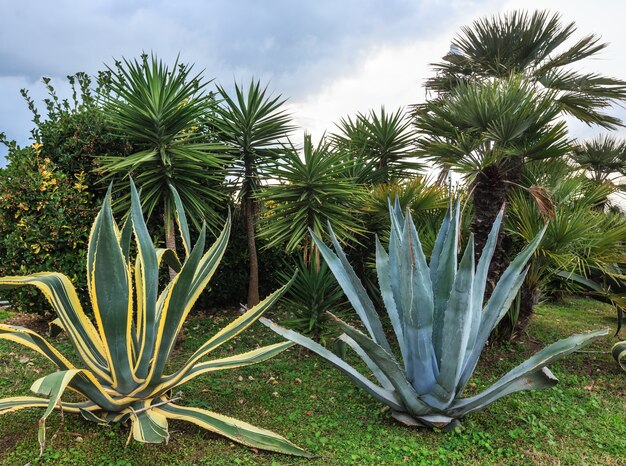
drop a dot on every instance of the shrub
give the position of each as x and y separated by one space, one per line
43 213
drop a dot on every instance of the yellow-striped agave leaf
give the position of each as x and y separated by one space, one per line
124 354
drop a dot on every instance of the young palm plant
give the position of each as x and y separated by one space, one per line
439 321
125 354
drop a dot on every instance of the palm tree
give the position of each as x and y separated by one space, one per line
314 191
486 131
159 110
534 46
603 158
253 123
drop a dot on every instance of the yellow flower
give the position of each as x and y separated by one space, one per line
37 146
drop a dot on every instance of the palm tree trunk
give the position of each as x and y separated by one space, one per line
489 195
250 208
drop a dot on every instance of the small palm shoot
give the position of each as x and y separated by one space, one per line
125 353
441 326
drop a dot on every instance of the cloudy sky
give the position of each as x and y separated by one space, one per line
330 57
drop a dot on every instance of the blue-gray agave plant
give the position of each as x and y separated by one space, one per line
439 321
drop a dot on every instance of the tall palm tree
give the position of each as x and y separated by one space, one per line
253 123
486 131
159 110
534 45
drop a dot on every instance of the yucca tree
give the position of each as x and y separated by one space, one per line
487 131
253 123
159 109
439 321
539 46
312 191
382 142
124 355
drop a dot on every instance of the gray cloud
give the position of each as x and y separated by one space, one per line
302 47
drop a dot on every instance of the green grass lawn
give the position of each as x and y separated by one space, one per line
581 421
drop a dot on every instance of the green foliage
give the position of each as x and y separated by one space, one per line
50 191
379 145
426 201
159 110
436 310
579 237
125 354
74 132
603 157
44 214
253 123
480 125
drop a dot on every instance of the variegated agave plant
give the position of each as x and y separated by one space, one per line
124 354
439 322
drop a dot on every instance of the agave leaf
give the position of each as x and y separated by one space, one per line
8 405
233 429
169 258
378 374
147 284
456 330
92 417
352 287
110 289
125 237
388 397
225 334
61 294
499 303
480 283
181 220
619 353
53 386
526 375
443 275
422 368
433 421
389 366
386 291
149 425
231 362
32 340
